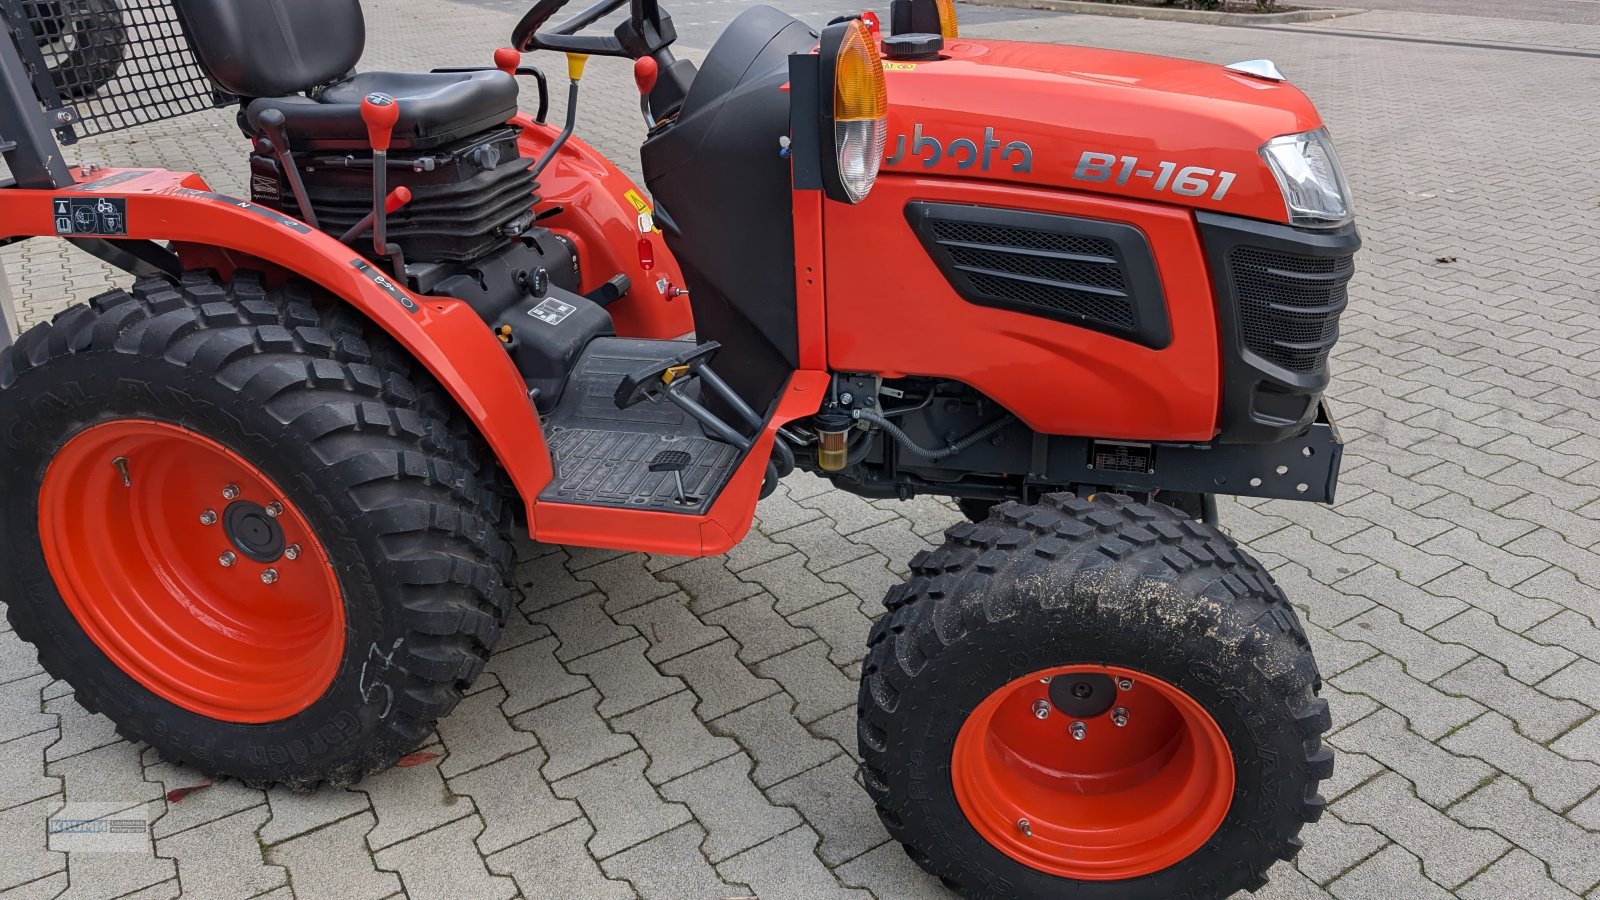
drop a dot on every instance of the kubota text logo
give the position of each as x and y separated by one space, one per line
965 152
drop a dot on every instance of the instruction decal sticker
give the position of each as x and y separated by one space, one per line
102 216
388 285
552 311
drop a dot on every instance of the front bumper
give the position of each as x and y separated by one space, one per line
1305 467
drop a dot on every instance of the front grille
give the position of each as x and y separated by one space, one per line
107 65
1074 275
1289 305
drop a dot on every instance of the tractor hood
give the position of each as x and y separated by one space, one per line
1128 124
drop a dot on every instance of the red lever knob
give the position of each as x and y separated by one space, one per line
507 60
645 73
398 198
380 112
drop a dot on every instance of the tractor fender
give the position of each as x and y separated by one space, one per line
610 221
214 231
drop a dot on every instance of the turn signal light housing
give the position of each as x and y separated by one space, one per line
949 25
852 76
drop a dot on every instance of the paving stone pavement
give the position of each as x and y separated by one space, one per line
666 728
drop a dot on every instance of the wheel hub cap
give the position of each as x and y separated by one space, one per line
256 534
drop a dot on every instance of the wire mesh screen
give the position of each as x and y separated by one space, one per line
112 63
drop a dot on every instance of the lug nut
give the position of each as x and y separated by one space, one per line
270 576
1119 717
292 553
1026 827
1125 684
230 492
227 559
209 517
1079 730
1041 709
1045 680
274 509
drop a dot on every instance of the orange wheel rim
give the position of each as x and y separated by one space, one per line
191 570
1121 802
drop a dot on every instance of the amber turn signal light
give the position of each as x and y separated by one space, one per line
852 76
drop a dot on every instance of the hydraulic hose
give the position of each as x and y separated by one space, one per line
905 441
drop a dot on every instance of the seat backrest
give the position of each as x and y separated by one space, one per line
273 48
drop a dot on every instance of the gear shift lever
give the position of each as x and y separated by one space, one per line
380 112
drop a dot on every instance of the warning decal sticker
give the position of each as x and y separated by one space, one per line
91 215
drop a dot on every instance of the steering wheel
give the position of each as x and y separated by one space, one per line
645 32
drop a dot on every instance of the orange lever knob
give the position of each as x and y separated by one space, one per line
645 73
380 112
398 198
507 60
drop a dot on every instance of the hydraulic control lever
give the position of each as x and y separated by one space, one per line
575 65
381 113
272 123
398 198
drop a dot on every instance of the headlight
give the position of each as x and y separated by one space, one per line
1313 184
852 74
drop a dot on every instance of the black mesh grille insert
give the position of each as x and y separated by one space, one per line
1088 273
1073 275
1289 306
114 63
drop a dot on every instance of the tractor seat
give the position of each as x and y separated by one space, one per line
435 109
298 55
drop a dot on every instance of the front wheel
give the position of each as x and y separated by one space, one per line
1092 700
245 532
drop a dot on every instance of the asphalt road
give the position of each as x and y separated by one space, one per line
1568 12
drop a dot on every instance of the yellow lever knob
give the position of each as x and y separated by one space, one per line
575 64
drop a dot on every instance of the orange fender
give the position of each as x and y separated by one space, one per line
600 213
442 333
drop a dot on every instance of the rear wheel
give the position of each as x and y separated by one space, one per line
1092 700
244 531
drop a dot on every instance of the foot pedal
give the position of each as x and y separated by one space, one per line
674 461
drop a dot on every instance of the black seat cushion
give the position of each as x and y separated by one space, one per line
268 48
435 109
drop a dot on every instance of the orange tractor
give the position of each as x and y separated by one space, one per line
259 506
